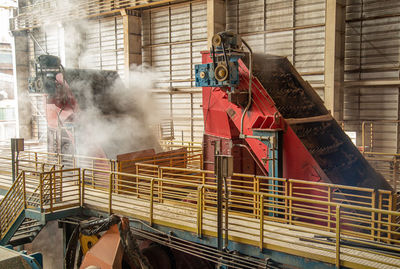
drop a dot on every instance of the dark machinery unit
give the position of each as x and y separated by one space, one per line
73 92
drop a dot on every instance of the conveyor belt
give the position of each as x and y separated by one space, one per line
325 140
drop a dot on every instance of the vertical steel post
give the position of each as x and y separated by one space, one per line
223 166
151 201
395 174
41 192
219 204
379 225
200 198
255 196
261 222
373 205
160 186
51 190
36 162
338 236
17 145
329 207
13 161
226 198
24 188
286 200
137 179
83 187
80 188
110 194
363 136
290 201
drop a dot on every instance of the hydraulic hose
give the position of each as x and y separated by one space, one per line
250 84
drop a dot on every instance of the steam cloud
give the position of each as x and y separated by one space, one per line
120 120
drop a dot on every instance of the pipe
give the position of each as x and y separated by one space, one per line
37 43
241 135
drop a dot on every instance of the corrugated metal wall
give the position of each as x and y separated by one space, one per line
291 28
372 55
104 45
172 39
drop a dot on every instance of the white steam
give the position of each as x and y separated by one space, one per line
123 122
119 120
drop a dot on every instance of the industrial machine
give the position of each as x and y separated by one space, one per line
258 109
80 101
109 243
260 118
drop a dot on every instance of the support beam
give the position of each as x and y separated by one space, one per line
216 18
21 76
132 23
335 15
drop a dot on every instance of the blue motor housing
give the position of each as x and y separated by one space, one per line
205 75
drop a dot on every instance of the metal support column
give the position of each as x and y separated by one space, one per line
223 169
17 145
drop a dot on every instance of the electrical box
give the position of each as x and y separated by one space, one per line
17 144
223 166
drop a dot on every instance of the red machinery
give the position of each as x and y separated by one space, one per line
87 109
276 125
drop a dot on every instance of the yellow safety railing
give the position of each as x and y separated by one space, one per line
192 207
32 180
175 144
48 191
300 188
60 189
388 165
67 160
12 204
338 221
366 216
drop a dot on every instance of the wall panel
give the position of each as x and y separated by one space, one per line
291 28
372 54
103 45
172 39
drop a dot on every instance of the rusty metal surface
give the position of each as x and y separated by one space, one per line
325 140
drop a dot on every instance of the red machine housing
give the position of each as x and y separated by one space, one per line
313 145
222 121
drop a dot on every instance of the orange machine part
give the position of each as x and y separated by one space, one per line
107 252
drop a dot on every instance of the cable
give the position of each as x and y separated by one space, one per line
198 250
37 43
250 87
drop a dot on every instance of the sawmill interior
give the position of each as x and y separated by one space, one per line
199 134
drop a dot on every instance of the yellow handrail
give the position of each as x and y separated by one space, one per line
12 204
171 202
356 222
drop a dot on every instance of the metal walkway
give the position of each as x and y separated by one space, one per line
268 217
